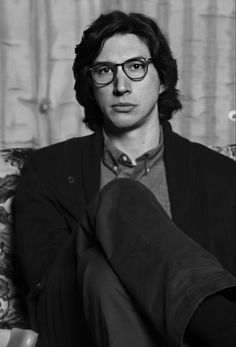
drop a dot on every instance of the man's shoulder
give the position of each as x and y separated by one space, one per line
209 162
206 155
69 147
212 159
217 169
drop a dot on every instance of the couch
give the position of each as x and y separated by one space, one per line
14 324
13 308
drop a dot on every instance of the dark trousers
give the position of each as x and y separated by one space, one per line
141 278
138 279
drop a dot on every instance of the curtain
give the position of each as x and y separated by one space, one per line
37 40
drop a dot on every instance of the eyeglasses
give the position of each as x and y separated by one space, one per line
105 72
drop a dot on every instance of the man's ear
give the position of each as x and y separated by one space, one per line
162 88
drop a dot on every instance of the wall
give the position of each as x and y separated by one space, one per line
37 39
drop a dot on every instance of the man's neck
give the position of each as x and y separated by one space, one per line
137 141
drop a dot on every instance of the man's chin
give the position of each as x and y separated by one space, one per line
120 127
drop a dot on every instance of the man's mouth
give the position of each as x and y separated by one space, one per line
123 107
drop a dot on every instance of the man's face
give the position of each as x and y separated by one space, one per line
127 104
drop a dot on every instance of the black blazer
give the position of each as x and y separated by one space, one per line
58 181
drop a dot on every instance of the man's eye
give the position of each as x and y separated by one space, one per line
134 66
103 70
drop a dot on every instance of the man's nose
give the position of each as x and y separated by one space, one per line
122 83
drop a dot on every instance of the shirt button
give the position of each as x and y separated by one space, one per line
148 170
70 179
124 158
38 286
115 168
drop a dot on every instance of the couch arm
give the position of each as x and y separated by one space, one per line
18 338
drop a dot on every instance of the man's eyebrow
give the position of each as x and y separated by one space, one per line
111 63
105 62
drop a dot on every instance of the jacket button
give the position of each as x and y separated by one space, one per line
70 179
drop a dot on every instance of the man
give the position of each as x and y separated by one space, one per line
127 236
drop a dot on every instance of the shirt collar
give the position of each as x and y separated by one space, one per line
114 158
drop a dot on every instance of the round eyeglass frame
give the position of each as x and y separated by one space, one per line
114 68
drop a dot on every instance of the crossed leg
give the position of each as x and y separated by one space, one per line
141 278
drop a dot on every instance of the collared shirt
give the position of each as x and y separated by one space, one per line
149 169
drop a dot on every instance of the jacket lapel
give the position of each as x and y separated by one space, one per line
180 171
91 169
82 170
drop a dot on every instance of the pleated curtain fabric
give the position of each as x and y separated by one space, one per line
37 40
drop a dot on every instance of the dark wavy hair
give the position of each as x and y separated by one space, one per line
106 26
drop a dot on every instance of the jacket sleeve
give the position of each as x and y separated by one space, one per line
40 226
